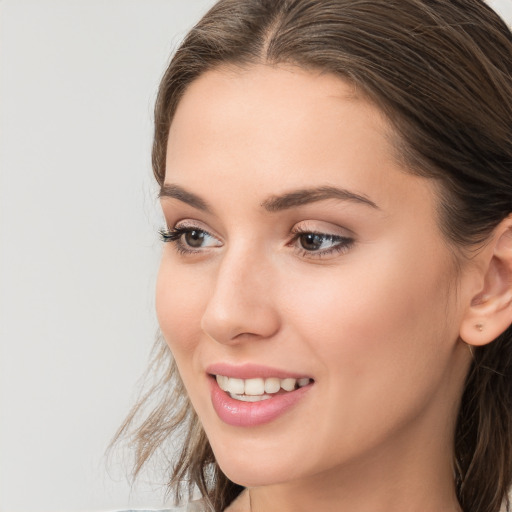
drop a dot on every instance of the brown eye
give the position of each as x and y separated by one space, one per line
313 244
188 240
194 238
312 241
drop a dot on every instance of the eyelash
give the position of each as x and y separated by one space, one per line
342 243
175 236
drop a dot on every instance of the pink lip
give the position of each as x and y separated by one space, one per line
250 414
251 371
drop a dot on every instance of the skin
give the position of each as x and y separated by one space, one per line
376 325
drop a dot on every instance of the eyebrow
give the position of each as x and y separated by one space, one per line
177 192
274 203
312 195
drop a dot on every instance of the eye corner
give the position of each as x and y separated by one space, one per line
165 234
189 238
334 243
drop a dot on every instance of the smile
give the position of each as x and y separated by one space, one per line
254 395
257 389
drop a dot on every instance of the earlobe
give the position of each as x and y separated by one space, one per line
490 310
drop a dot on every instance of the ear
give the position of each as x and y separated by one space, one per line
489 312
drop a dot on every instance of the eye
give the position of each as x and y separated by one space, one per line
189 239
315 241
195 238
317 244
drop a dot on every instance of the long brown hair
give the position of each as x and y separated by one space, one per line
441 71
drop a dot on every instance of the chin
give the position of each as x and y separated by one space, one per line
249 474
256 467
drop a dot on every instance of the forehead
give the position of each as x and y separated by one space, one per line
265 130
275 108
271 98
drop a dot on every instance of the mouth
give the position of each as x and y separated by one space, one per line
259 388
252 395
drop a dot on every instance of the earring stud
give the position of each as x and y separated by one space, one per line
479 327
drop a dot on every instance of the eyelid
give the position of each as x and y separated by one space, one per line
323 227
172 234
343 242
199 226
336 242
176 235
191 223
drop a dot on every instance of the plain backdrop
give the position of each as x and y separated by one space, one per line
79 246
78 240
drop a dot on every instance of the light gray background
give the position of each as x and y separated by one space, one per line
78 247
78 244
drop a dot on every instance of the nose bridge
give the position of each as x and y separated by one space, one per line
242 300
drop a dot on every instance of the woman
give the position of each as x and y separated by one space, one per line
336 286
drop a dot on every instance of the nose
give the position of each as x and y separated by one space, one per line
241 306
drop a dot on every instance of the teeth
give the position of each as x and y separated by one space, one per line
249 398
253 390
288 384
272 385
254 387
222 382
236 386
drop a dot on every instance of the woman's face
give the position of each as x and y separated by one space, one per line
299 249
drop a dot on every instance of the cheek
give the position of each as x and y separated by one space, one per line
179 302
179 306
378 341
376 327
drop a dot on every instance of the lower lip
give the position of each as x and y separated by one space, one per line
249 414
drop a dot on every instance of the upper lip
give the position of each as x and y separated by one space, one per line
252 371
